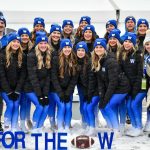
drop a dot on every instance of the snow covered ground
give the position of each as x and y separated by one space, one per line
120 143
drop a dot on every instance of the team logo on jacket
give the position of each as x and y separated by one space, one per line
103 69
132 61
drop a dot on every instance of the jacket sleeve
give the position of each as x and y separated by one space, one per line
137 83
47 84
112 68
22 75
71 86
4 83
54 75
31 66
92 80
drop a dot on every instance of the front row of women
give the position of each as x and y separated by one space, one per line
113 79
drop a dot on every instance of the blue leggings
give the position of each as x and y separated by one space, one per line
82 104
110 112
90 110
40 112
52 108
12 111
64 112
25 107
135 109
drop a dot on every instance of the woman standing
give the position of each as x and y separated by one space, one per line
38 25
89 37
64 80
25 104
83 68
12 76
68 32
84 21
131 63
142 26
54 39
110 25
114 47
38 81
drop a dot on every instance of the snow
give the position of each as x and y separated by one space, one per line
119 143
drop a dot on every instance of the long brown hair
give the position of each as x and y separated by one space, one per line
40 57
9 53
70 62
85 62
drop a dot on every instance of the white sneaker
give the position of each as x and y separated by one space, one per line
117 133
22 126
147 127
135 132
91 132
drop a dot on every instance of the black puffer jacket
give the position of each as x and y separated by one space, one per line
140 44
11 78
64 85
108 78
133 69
38 80
83 74
55 48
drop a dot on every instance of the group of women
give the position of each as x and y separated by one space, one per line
111 74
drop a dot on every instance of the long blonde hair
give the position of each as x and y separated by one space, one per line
96 66
71 64
40 57
124 53
9 53
118 49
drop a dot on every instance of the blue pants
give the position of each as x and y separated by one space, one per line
40 112
91 111
64 112
25 107
110 112
12 111
83 104
81 98
52 108
135 109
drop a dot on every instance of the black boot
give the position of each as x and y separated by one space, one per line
128 121
1 128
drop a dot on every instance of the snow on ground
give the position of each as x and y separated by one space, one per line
120 143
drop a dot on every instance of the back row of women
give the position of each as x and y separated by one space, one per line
44 68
